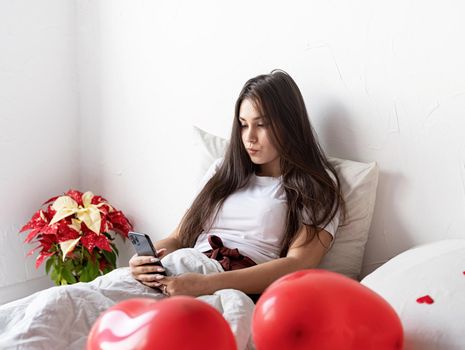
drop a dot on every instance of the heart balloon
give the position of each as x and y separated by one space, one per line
181 323
318 309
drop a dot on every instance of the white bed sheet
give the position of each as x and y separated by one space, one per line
61 317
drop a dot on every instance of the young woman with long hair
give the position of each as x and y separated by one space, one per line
270 207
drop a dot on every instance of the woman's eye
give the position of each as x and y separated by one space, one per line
243 126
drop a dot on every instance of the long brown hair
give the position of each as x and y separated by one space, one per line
313 197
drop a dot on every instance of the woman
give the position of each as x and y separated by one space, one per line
274 197
270 207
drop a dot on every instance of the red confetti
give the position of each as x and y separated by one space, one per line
425 300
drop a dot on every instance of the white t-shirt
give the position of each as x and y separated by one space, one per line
253 218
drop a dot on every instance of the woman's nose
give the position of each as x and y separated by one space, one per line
251 135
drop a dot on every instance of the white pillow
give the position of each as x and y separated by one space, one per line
437 271
358 182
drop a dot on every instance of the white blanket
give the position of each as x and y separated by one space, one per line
61 317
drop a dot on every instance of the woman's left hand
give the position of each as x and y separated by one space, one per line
192 284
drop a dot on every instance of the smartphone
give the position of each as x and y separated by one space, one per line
144 247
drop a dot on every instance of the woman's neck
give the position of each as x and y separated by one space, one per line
271 170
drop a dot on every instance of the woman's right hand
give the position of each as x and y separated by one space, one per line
148 275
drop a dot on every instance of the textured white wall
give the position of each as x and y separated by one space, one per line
383 81
38 126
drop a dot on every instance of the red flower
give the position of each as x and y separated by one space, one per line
37 222
70 214
42 256
76 195
120 222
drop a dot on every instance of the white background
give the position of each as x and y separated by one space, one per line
101 96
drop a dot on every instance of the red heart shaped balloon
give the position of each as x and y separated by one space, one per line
318 309
172 323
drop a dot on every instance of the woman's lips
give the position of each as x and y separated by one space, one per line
252 151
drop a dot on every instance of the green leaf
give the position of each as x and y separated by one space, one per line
68 276
48 265
56 275
93 268
110 257
114 248
84 276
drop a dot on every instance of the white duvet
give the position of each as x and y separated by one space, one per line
61 317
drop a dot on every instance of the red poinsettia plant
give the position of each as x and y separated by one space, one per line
75 234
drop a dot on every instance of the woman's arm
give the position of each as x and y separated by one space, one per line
140 266
170 243
255 279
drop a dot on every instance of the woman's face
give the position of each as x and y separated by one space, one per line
255 137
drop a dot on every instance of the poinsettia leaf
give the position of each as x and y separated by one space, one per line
50 200
120 222
103 223
102 243
48 265
65 232
76 195
98 199
49 213
43 255
110 257
47 242
32 235
50 229
68 276
55 275
93 269
115 250
37 221
29 253
84 274
103 207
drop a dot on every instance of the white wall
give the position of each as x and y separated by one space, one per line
39 130
383 81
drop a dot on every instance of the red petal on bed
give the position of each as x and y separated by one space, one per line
426 299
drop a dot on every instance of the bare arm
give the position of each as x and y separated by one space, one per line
140 265
170 243
257 278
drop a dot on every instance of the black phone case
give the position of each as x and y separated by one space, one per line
144 247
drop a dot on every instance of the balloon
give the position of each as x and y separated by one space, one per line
318 309
180 322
